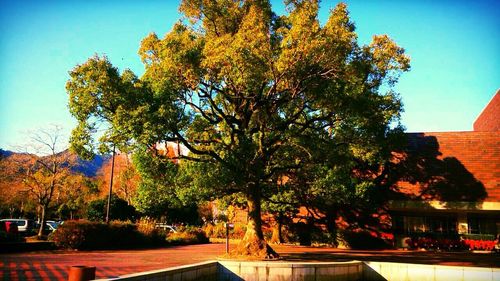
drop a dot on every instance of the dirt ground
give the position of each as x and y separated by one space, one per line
54 265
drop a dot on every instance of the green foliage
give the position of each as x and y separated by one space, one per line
119 209
156 191
98 98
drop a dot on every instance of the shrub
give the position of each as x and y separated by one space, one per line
188 235
219 230
483 245
441 243
86 235
154 236
70 235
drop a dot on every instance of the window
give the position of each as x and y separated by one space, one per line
482 225
408 224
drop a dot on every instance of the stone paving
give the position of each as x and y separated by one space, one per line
54 265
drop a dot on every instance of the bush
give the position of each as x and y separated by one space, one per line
70 235
188 235
441 243
154 236
483 245
86 235
219 230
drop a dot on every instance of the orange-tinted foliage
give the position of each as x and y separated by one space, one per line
125 179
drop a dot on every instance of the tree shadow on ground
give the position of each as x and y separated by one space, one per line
430 257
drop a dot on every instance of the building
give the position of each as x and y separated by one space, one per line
449 182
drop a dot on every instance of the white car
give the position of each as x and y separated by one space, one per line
166 227
24 226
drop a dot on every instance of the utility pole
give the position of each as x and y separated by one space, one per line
111 183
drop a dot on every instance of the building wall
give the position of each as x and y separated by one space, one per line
489 119
464 166
479 152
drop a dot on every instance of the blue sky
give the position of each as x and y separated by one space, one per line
454 46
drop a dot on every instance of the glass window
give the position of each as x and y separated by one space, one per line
416 224
482 225
445 224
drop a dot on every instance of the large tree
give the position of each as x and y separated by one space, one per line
253 96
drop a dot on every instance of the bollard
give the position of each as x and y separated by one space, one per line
81 273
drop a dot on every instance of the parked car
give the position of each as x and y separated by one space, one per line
24 226
166 227
50 226
53 225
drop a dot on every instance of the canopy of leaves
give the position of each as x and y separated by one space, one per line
255 97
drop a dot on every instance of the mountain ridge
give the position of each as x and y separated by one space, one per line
89 168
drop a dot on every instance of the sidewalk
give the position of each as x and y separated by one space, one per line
54 265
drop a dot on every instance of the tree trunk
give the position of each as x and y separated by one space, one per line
280 226
253 244
42 221
331 225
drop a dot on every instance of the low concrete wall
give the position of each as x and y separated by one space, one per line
300 271
421 272
314 271
192 272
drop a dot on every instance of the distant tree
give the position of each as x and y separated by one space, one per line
74 195
128 179
48 171
97 93
15 199
253 96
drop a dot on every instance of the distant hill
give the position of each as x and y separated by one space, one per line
88 168
5 153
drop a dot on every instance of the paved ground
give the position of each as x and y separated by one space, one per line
54 265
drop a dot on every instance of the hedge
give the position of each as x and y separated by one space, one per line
87 235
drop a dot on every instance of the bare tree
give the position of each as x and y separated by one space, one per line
49 169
